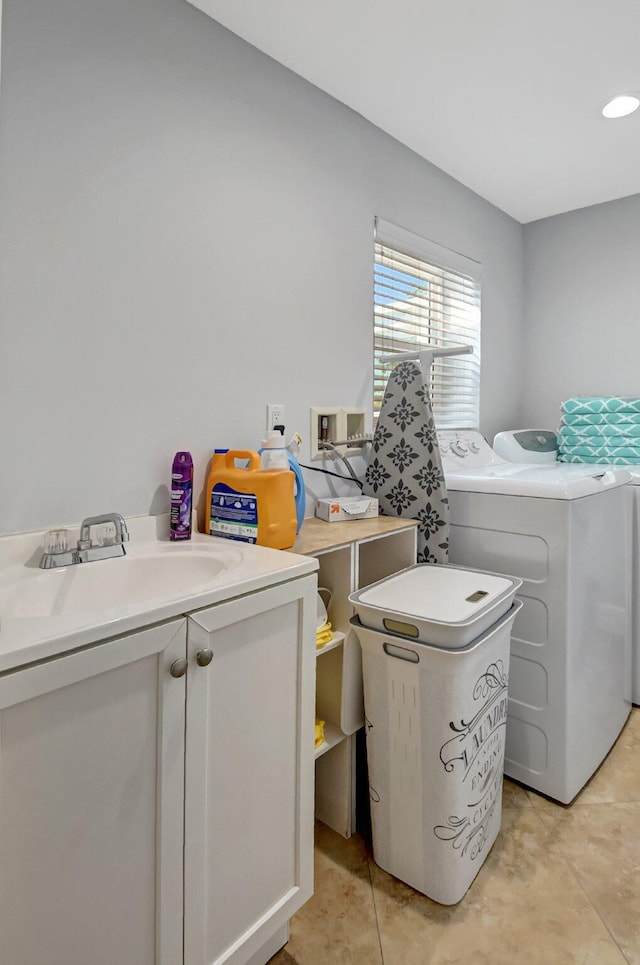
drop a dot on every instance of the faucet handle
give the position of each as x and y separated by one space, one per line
105 534
112 534
56 541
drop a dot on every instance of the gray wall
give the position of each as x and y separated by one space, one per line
582 291
186 235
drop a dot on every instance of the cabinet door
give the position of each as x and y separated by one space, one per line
91 765
249 771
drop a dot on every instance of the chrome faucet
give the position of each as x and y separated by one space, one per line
86 550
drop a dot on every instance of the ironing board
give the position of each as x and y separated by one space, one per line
405 470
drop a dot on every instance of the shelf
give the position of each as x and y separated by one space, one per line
350 555
332 736
338 639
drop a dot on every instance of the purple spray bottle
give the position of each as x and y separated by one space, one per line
181 496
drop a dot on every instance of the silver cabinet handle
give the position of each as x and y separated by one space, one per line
178 667
204 658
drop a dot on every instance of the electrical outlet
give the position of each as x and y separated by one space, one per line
275 415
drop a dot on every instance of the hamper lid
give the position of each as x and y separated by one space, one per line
438 593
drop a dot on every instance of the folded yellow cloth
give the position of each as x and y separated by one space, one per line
319 732
323 636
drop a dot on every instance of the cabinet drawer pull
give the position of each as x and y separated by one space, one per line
204 657
178 667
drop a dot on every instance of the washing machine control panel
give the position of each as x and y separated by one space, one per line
465 449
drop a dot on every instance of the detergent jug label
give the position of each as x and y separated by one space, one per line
233 514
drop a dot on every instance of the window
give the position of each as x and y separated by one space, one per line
427 295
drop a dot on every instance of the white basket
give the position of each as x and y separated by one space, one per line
435 726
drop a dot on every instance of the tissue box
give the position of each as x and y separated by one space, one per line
345 508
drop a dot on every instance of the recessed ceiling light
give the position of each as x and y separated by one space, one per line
621 105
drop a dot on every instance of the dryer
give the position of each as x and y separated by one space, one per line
566 534
540 445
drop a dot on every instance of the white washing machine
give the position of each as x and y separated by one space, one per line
565 532
540 445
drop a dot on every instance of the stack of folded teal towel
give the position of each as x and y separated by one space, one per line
600 429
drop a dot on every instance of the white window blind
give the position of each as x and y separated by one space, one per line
425 294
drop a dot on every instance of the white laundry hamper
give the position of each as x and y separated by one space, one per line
435 719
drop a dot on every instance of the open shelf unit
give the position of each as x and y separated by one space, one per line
350 555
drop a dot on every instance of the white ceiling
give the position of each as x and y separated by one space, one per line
504 95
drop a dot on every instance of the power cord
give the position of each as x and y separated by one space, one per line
333 448
337 475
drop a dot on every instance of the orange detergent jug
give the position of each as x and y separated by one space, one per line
248 504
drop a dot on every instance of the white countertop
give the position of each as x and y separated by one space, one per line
59 629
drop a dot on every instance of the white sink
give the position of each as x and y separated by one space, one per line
45 613
164 572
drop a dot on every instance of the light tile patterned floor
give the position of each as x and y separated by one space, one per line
560 887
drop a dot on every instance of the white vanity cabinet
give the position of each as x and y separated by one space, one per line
91 805
249 773
156 790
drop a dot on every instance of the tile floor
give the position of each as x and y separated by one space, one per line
561 885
